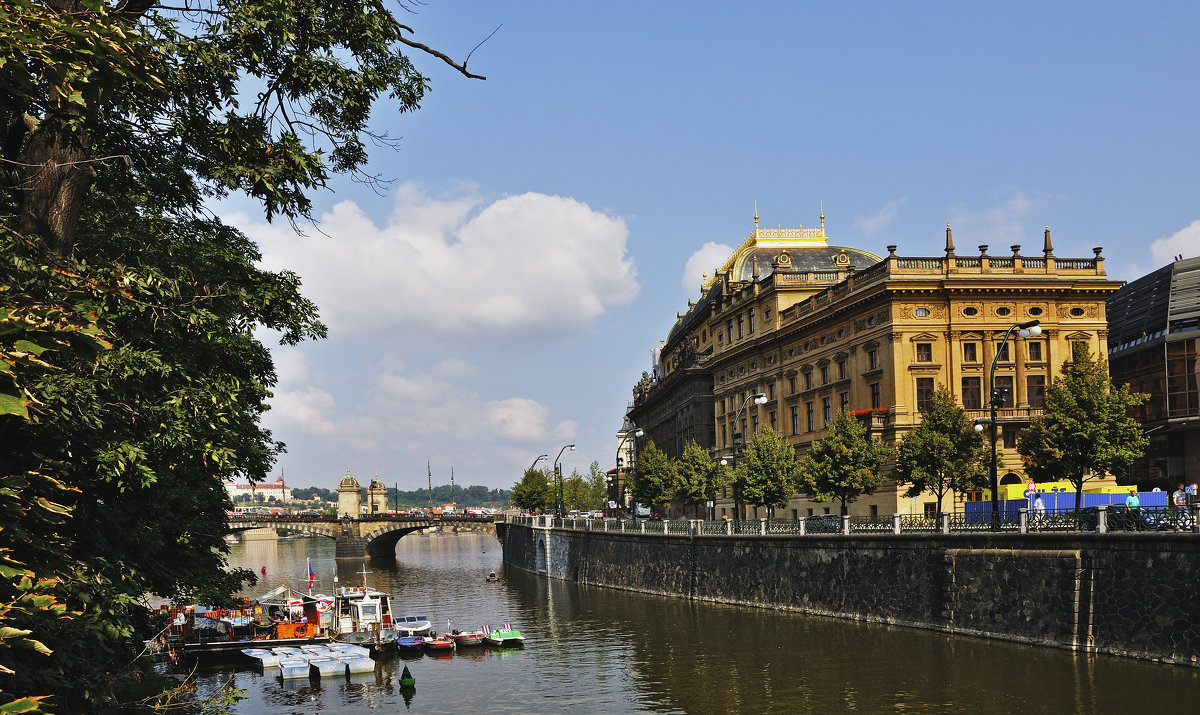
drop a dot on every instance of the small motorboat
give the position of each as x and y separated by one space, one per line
467 638
410 643
435 643
412 625
504 636
491 577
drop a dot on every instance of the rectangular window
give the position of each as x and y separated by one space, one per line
1003 353
795 419
841 369
824 374
1076 346
1004 391
770 391
1035 350
972 394
809 512
808 381
773 427
741 327
744 435
924 390
754 423
724 441
827 409
1010 438
970 352
930 509
876 398
729 330
924 352
1035 389
811 417
873 359
752 321
874 510
792 385
844 400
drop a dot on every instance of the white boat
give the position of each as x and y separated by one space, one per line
293 668
265 658
357 663
363 616
413 625
327 666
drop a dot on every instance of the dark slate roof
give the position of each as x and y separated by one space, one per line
814 258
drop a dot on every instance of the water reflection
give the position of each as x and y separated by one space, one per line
603 651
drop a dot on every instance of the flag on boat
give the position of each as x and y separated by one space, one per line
311 575
487 630
506 627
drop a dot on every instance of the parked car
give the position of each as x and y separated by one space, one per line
823 524
655 516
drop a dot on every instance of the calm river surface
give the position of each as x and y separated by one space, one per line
592 650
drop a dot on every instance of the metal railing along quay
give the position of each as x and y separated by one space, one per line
1101 519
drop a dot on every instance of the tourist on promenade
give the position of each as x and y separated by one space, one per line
1132 503
1039 511
1179 499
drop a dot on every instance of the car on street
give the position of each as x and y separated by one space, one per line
823 524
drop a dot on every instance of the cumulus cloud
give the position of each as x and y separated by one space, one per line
881 218
297 403
706 260
1185 242
999 226
458 266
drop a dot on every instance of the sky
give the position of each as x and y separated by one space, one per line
499 298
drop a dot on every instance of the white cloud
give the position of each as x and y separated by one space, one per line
1185 242
457 267
298 404
517 418
453 367
706 260
881 218
999 227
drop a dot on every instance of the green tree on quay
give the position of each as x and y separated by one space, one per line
944 453
844 465
768 473
699 476
654 481
1085 431
533 493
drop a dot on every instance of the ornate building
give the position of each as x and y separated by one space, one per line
1154 345
276 491
349 493
816 328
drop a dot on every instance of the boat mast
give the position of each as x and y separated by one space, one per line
429 473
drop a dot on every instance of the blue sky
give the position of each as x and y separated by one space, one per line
500 298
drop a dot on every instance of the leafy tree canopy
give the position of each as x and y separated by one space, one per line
653 482
843 465
944 453
533 493
699 476
1084 431
768 474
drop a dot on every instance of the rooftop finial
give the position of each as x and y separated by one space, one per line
822 204
756 214
949 241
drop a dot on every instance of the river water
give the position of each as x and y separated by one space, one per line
593 650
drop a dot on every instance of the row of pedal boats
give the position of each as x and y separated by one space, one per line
329 660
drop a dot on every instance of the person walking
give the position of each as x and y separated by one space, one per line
1179 499
1132 503
1039 511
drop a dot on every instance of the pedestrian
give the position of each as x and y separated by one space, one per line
1132 503
1039 506
1179 499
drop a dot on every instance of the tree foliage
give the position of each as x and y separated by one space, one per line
122 117
699 476
844 465
944 453
768 474
654 481
533 493
1085 431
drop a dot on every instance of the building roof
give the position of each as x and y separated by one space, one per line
1164 301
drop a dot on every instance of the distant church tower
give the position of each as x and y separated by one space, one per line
349 497
377 497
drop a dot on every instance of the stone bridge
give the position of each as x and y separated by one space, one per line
374 534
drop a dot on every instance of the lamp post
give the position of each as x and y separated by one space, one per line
558 477
540 458
724 462
636 433
1025 330
759 398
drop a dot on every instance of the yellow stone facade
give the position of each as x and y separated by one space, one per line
822 330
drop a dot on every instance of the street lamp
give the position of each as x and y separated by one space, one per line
760 398
724 462
540 458
1025 330
558 476
636 433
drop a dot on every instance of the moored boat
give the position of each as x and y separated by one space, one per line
410 643
504 636
363 616
413 625
467 638
435 643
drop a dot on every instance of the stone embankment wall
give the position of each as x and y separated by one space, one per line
1134 594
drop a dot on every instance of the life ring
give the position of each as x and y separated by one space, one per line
301 630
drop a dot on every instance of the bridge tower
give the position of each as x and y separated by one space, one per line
349 497
377 501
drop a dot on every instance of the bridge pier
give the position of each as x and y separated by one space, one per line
349 546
